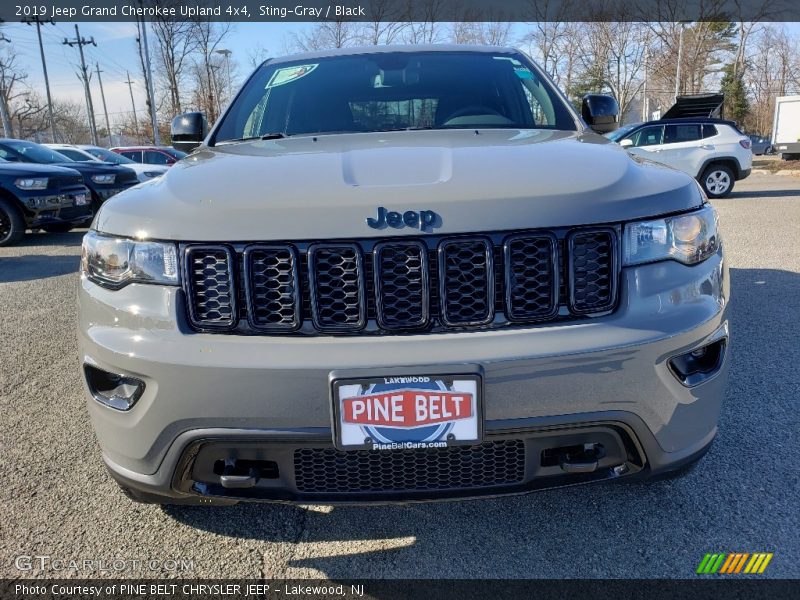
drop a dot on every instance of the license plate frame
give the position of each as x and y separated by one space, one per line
469 431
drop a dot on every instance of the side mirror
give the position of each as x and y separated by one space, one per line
626 143
188 131
600 112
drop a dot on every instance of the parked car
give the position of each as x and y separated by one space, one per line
402 293
760 145
103 180
40 197
713 151
86 153
151 155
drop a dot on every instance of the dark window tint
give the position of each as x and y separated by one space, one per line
674 134
649 136
137 156
152 157
74 155
709 131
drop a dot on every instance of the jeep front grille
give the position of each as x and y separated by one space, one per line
436 283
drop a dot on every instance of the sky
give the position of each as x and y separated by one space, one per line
116 53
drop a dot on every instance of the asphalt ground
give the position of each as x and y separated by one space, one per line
58 501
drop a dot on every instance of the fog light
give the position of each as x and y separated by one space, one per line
700 364
116 391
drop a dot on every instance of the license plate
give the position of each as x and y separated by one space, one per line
81 199
405 412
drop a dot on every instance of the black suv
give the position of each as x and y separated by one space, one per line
38 196
103 180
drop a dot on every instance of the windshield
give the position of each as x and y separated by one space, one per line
394 91
75 154
109 156
620 133
30 152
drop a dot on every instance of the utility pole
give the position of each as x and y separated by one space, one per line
38 21
645 103
133 104
81 42
105 110
150 90
227 54
680 60
7 131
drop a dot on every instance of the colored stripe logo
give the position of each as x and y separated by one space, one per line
734 563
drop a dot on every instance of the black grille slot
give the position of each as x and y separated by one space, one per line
466 282
211 288
326 470
592 271
531 271
393 286
336 278
273 287
401 285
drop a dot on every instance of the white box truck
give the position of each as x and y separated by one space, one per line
786 127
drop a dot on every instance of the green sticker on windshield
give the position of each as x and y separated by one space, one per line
289 74
523 72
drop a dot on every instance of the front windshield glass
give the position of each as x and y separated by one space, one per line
30 152
394 91
109 156
620 133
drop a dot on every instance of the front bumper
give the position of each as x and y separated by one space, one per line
226 395
61 207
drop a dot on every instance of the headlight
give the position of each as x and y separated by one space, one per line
31 183
114 262
104 179
688 238
152 174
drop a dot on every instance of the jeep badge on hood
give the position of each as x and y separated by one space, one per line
424 220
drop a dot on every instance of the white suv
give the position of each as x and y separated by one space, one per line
712 151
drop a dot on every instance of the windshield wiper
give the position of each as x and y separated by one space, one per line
267 136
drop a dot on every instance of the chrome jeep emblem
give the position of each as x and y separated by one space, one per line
424 220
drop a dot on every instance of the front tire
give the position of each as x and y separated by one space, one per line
717 181
12 223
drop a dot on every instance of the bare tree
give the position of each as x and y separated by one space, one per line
324 36
175 42
208 71
427 29
384 25
12 76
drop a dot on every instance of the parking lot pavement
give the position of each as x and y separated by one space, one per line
58 500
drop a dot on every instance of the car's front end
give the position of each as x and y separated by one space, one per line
103 180
144 172
404 315
47 195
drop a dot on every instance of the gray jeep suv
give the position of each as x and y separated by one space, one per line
402 274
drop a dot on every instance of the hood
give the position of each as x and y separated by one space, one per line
95 168
15 169
325 187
